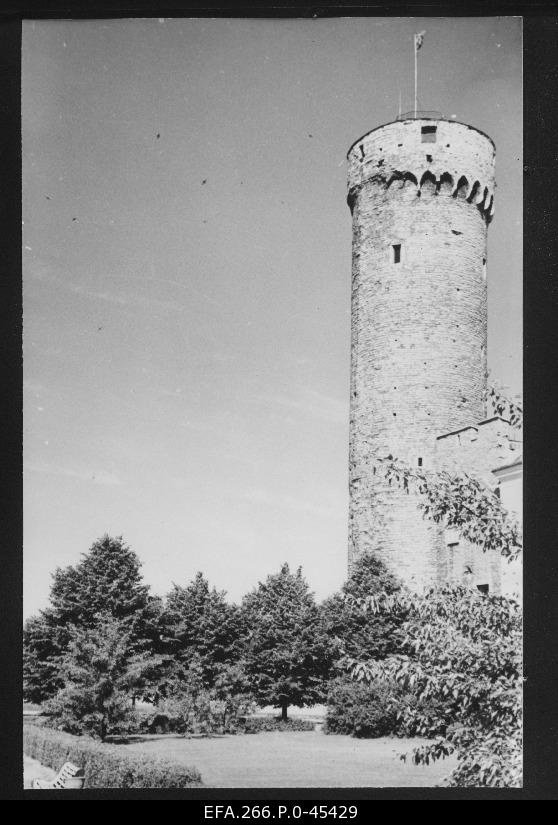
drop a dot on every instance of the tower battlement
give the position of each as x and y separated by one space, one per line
427 156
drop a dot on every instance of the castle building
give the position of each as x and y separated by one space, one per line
421 194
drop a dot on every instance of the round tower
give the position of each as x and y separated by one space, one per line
421 193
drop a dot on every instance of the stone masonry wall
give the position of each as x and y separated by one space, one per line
418 351
479 450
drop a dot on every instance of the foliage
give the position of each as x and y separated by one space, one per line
353 632
99 672
198 625
381 707
509 408
257 724
43 644
287 653
458 500
360 709
467 654
202 713
106 766
107 581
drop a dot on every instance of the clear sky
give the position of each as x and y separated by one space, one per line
187 259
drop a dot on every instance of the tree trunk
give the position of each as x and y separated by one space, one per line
284 706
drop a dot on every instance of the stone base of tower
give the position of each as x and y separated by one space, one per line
394 530
386 522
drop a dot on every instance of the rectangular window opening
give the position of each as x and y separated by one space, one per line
483 588
396 253
428 134
420 461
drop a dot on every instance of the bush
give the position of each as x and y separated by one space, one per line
106 766
256 724
360 710
381 708
200 711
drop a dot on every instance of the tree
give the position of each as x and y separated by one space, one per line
354 632
462 649
504 406
458 500
198 623
100 672
107 581
286 650
44 642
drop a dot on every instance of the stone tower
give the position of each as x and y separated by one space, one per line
421 193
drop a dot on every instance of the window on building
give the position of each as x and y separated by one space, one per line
419 461
428 134
484 269
483 588
396 253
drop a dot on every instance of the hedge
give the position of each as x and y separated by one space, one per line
255 724
106 766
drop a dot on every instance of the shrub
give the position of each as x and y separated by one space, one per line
381 708
200 711
106 766
256 724
360 710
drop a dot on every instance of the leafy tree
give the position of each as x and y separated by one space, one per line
107 581
458 500
509 408
354 632
198 624
462 648
99 671
44 642
287 653
466 654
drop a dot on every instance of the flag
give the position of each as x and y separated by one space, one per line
418 40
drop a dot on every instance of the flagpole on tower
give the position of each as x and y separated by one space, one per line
417 42
415 51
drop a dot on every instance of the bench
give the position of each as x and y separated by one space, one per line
69 776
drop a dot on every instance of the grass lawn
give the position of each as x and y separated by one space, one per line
297 759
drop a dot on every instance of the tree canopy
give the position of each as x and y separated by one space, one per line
353 632
197 623
106 582
286 652
99 671
463 649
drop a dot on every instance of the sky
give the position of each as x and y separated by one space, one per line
186 277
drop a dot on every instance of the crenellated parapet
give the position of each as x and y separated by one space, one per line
427 157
